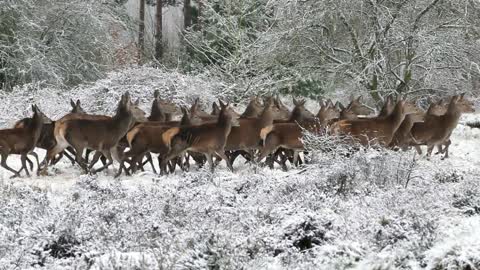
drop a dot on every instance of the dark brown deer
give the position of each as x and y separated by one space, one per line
377 130
254 108
21 141
246 137
102 135
208 139
436 130
144 138
403 136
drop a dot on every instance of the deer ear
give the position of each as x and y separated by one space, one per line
360 98
137 102
221 104
72 103
462 95
156 94
295 102
78 103
34 109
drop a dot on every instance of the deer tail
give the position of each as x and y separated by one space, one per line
131 135
264 132
168 135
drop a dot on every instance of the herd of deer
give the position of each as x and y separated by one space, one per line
266 130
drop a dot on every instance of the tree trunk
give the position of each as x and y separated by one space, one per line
187 14
141 30
158 31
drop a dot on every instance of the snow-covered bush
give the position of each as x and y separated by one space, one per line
102 96
61 43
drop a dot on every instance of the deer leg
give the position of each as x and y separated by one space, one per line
95 159
210 162
429 150
150 160
36 159
87 155
110 162
30 163
445 150
23 159
221 154
79 158
419 149
3 163
51 153
72 152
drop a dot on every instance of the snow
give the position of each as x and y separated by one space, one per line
253 218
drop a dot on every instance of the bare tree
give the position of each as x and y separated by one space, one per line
187 14
158 31
141 29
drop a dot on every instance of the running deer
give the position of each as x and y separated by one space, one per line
436 130
254 108
403 137
245 138
377 130
209 139
102 135
387 107
144 138
47 139
21 141
162 110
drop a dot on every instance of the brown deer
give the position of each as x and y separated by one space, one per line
387 108
436 130
254 108
21 141
380 130
245 138
143 139
102 135
162 110
208 139
47 139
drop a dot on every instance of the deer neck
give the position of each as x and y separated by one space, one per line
266 118
121 123
250 111
452 116
396 118
225 123
35 128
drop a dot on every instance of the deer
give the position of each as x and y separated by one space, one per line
47 140
161 109
209 139
379 129
102 135
403 138
436 130
246 137
21 141
145 138
254 108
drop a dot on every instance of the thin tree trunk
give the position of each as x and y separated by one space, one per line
141 30
187 14
158 31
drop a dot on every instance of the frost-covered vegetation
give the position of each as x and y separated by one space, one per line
372 210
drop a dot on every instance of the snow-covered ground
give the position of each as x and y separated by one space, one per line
374 210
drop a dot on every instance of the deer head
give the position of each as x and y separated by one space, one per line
357 107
